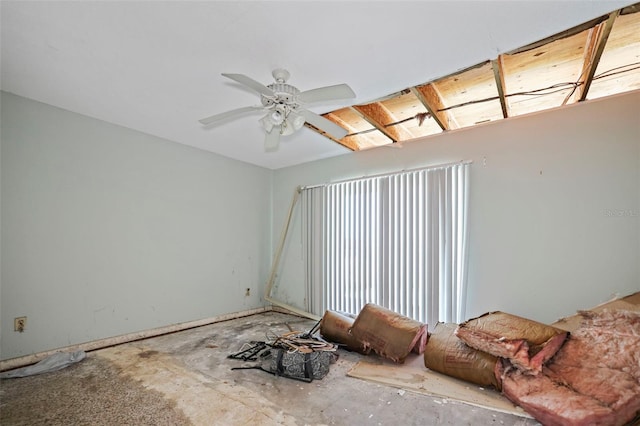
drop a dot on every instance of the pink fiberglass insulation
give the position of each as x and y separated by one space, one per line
526 343
594 379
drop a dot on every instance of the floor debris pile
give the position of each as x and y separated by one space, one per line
527 344
185 378
336 327
297 355
594 379
378 329
581 370
388 333
449 355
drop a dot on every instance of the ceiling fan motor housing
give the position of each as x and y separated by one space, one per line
285 94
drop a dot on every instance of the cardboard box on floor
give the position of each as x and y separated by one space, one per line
629 303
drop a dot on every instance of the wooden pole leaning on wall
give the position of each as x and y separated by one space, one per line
276 263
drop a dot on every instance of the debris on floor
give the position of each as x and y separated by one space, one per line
335 327
296 355
55 362
250 353
526 343
588 376
375 328
584 369
180 376
593 379
447 354
388 333
414 377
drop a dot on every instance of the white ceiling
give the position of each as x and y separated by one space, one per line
155 66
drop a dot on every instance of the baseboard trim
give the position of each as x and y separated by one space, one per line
11 363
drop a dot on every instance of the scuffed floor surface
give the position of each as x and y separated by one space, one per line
185 378
93 392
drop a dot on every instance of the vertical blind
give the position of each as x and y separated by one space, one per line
398 240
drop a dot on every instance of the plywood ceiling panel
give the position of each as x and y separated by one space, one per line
619 67
471 96
362 134
412 115
543 77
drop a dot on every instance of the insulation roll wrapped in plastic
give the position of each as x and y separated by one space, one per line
447 354
335 326
388 333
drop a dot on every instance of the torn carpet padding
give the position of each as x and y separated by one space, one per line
447 354
335 326
527 344
594 379
388 333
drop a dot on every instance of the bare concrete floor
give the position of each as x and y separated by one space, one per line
185 378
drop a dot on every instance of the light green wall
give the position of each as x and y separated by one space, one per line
554 208
107 231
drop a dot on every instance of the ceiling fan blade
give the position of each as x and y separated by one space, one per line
272 139
323 124
251 83
329 93
229 114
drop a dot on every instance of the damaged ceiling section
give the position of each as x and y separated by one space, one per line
596 59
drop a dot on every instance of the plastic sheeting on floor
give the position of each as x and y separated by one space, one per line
55 362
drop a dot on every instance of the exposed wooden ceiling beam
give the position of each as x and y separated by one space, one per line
634 8
370 123
353 141
564 34
379 116
350 142
498 73
432 101
596 43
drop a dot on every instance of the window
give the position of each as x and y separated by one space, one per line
397 240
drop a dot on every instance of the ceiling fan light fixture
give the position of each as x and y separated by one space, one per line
266 123
283 105
278 115
292 124
296 120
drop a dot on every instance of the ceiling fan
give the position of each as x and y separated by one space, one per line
283 104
